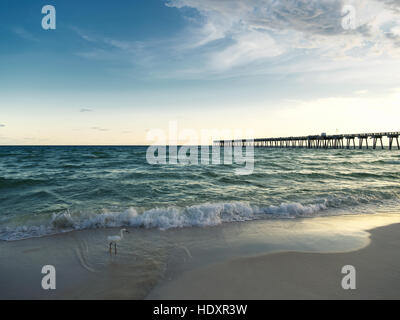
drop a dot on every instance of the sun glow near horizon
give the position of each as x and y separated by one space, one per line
362 112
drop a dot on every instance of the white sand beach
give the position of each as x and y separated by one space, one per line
294 275
295 259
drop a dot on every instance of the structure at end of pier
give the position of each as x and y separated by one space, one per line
323 141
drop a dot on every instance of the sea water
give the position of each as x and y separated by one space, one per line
53 189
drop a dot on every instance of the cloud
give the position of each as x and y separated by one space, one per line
24 34
248 48
260 29
83 34
392 4
104 43
361 92
99 129
394 35
231 38
85 110
312 17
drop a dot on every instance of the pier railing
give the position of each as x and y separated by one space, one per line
338 141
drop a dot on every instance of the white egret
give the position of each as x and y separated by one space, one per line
116 239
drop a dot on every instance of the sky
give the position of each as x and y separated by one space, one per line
113 73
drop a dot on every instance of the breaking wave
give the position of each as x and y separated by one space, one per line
202 215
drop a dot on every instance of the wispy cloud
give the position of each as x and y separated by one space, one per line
24 34
85 110
83 34
306 24
229 35
99 129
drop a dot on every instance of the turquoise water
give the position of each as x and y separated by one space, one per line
47 190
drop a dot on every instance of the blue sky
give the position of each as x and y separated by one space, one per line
111 72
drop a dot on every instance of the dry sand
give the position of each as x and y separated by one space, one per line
294 275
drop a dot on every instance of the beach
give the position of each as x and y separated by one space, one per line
233 261
294 275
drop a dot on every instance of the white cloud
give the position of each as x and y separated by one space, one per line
392 4
259 29
249 47
235 37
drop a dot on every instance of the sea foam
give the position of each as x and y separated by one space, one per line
202 215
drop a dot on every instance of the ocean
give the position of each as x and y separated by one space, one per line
46 190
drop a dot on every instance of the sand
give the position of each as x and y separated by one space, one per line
293 275
252 260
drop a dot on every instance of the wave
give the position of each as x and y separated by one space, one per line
162 218
199 215
202 215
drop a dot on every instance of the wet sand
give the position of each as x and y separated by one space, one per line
251 260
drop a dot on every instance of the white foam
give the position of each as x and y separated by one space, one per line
295 209
203 215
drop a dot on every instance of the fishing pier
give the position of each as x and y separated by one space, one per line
323 141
